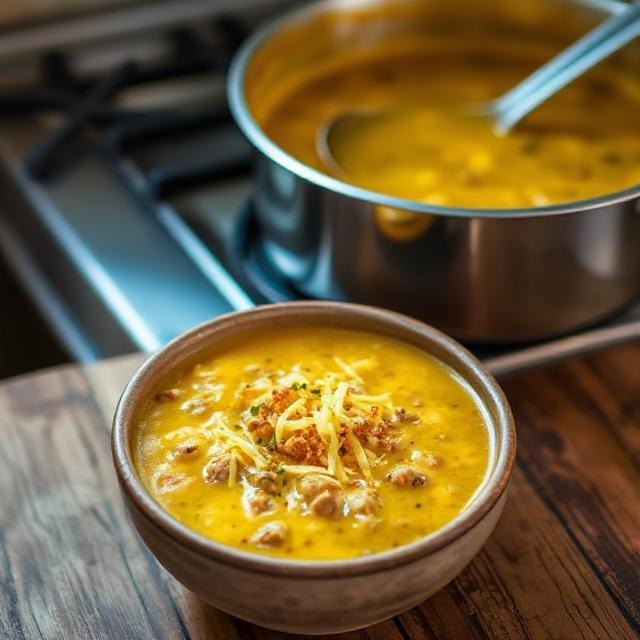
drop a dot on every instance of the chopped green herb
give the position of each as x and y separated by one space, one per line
280 470
253 410
295 386
315 391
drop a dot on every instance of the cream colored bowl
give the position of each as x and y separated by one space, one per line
303 596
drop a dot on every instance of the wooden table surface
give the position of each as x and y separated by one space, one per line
563 563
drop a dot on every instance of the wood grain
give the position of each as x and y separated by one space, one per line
583 470
564 561
613 382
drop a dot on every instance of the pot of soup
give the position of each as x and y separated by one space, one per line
491 238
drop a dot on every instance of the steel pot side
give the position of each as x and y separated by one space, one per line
481 275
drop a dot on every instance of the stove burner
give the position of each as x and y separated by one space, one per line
42 160
141 138
87 102
248 263
92 165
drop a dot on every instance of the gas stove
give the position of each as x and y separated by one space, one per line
125 188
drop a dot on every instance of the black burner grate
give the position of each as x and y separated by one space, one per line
87 103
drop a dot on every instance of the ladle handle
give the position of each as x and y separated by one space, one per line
556 74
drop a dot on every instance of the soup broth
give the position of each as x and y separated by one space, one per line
582 143
314 443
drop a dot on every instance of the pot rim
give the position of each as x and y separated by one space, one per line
252 130
188 344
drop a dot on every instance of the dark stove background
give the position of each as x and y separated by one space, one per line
26 342
108 183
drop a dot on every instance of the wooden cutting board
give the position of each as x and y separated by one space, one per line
564 561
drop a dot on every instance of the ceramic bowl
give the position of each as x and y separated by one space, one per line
322 596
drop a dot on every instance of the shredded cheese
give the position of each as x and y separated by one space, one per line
295 377
295 425
365 363
284 417
365 402
360 455
246 446
303 469
330 404
233 470
337 401
264 397
335 467
348 369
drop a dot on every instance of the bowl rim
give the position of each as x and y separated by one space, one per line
251 129
316 313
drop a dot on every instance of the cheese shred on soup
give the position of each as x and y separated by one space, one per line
314 443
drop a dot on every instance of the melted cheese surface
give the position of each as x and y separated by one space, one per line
289 406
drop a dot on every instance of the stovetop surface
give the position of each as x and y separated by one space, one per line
125 204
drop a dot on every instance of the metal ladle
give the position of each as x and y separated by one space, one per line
507 110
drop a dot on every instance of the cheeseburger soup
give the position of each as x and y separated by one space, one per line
314 443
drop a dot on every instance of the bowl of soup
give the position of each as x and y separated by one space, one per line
313 467
490 238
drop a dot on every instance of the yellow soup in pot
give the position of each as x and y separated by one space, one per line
582 143
314 443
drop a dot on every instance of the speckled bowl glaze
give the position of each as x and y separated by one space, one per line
303 596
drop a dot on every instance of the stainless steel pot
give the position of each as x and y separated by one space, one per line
480 275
